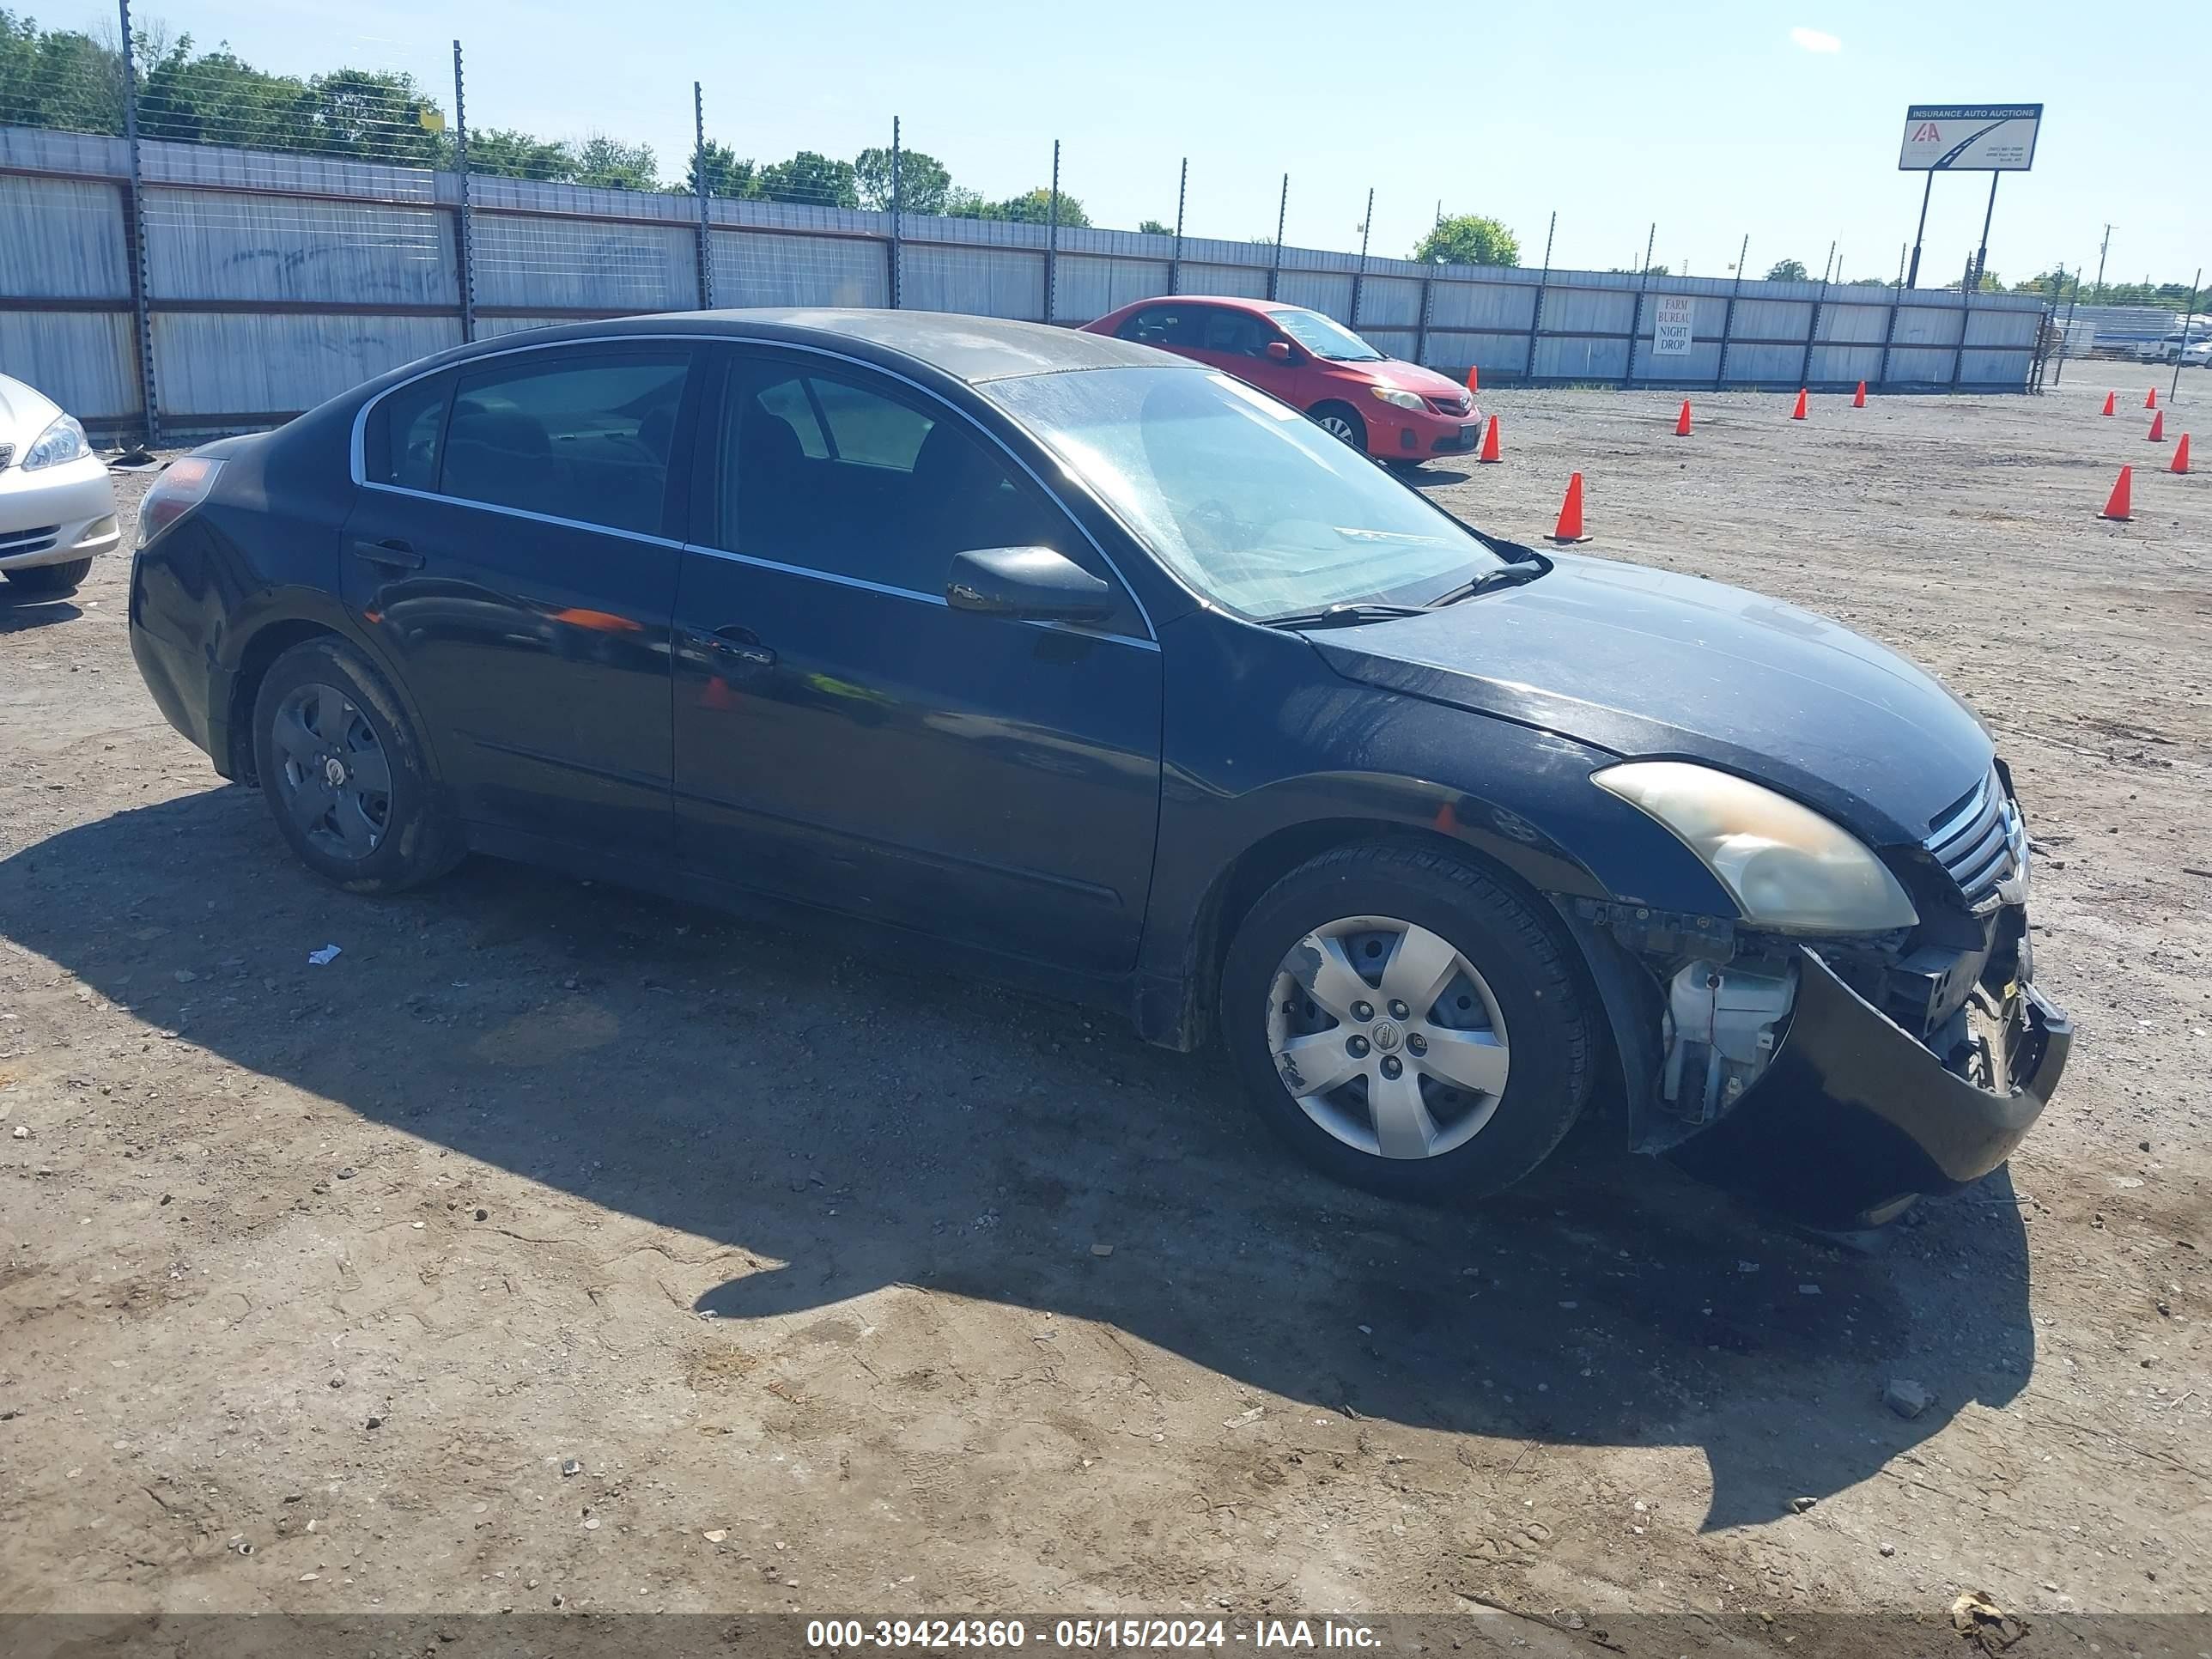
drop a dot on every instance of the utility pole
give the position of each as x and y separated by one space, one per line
2102 249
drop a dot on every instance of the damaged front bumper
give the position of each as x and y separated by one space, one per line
1854 1116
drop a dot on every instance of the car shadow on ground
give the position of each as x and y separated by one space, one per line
865 1128
21 612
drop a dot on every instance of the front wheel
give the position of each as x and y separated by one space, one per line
1405 1022
1342 423
51 580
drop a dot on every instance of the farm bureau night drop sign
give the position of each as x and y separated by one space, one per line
1969 138
1671 325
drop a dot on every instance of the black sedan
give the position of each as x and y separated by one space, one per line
1047 656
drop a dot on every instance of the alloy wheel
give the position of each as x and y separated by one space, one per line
336 780
1388 1038
1339 429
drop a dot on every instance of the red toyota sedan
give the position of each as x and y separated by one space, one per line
1396 411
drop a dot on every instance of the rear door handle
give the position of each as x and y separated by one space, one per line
391 552
744 644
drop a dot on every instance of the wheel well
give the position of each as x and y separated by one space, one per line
1266 862
261 651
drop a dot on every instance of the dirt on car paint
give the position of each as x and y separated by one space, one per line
551 1247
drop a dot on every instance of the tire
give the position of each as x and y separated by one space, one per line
53 580
1519 1021
1341 421
383 828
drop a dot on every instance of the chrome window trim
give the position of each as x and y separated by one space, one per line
525 513
913 594
359 461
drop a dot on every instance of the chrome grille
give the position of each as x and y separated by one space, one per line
7 454
1980 841
1460 405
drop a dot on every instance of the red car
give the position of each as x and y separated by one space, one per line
1397 412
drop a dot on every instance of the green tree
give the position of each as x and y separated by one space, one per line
808 178
1786 270
1468 238
1154 227
377 116
726 174
1033 206
502 153
923 182
58 78
613 165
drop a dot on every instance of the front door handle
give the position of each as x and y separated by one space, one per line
744 644
391 552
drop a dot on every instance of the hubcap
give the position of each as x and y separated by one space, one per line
1337 427
1420 1081
336 781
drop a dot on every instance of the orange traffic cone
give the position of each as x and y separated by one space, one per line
1474 378
1858 397
2115 506
2109 398
2157 428
2150 398
1490 441
1682 421
1569 527
2180 455
1798 413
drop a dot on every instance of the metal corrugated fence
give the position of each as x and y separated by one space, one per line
271 282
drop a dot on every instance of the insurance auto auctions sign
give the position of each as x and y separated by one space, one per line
1970 137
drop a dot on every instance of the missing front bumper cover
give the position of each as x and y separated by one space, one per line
1855 1112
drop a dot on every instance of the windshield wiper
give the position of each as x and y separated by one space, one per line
1525 565
1346 613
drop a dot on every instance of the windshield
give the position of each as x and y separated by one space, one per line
1323 337
1247 500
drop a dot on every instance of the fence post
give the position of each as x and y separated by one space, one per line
1175 259
1052 238
1889 334
1966 311
895 247
135 228
1728 317
1813 328
1359 277
2066 330
699 183
1282 216
1636 317
2196 282
465 223
1421 329
1536 311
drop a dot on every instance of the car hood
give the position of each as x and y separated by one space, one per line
25 412
1650 665
1410 377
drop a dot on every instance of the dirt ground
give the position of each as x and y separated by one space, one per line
555 1248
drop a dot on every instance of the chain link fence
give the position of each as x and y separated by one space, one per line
190 242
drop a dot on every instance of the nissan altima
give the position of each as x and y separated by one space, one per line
1047 656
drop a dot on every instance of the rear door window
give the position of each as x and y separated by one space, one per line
404 432
1172 328
585 438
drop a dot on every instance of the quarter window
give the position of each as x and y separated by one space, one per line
403 432
581 438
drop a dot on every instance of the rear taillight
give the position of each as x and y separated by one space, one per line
181 489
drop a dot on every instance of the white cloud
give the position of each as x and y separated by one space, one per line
1815 40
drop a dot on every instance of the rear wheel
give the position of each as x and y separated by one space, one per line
344 773
51 578
1342 421
1407 1024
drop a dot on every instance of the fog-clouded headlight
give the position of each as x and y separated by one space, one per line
1787 866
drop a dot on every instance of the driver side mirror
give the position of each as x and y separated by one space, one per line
1028 584
1278 351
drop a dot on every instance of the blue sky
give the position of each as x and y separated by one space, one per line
1714 119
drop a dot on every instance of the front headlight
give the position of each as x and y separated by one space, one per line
1397 400
1787 866
63 440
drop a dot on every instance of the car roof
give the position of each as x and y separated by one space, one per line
1227 302
972 350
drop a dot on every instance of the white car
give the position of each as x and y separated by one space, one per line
57 507
2198 355
2177 343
